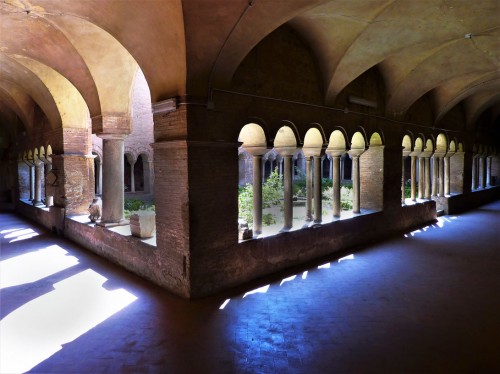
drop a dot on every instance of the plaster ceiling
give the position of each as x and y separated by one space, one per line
449 48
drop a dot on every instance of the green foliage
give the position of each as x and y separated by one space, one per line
345 197
272 195
268 219
245 203
133 205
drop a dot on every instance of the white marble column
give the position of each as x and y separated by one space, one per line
112 181
421 177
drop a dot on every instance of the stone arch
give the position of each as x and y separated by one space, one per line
337 142
407 143
376 139
358 141
254 139
441 143
313 142
285 141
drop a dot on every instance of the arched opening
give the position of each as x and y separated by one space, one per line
127 172
250 194
97 174
406 169
139 174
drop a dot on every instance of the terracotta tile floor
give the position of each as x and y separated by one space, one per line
427 302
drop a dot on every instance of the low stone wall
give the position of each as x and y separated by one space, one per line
258 257
127 251
460 203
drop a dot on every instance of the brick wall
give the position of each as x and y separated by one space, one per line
371 174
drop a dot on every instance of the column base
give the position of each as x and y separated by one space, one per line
38 203
285 229
122 222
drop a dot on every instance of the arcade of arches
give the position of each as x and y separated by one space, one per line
395 102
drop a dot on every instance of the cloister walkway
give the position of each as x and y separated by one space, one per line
426 301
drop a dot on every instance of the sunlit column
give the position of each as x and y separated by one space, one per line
446 176
435 169
32 182
112 184
317 190
403 180
441 176
427 190
413 178
480 172
488 172
37 201
474 173
257 194
336 185
309 185
288 193
421 177
355 184
49 199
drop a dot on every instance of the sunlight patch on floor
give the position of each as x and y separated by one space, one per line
33 266
38 329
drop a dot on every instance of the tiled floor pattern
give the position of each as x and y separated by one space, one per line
424 302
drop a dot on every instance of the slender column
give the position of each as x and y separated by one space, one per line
99 191
257 195
288 195
309 185
132 177
480 172
355 184
488 171
336 185
38 183
330 175
427 191
441 176
474 173
421 177
146 168
112 183
318 208
403 180
32 182
413 178
435 169
446 176
49 199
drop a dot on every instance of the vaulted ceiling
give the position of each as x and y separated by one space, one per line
69 57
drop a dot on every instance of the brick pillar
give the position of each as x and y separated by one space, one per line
457 173
413 178
371 170
112 184
309 185
74 187
318 209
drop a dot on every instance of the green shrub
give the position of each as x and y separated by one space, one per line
133 205
345 197
268 219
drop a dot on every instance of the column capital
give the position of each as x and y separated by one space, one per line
112 136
